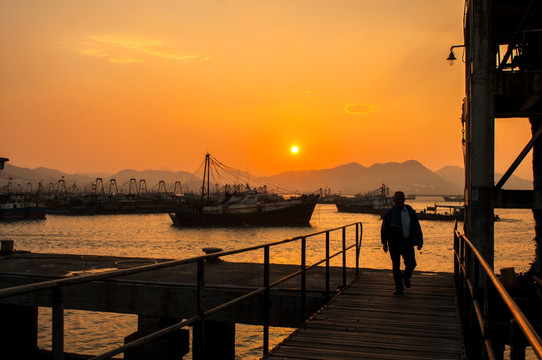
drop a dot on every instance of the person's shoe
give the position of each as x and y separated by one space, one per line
397 291
407 282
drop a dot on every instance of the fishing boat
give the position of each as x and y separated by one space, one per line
14 206
241 205
442 212
445 212
93 204
18 207
373 202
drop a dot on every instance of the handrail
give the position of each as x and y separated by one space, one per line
19 290
468 285
57 286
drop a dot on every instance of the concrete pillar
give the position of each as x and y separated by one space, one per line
219 341
18 331
536 266
480 170
169 347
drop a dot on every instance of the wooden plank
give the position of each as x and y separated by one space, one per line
367 322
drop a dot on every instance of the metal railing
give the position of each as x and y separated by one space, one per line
57 287
490 318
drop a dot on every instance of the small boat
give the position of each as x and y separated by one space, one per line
442 212
445 212
457 198
242 206
372 202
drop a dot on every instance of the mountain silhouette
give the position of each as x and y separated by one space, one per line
456 175
410 176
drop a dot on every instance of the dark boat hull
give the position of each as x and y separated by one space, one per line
447 217
23 213
82 206
360 208
440 217
298 214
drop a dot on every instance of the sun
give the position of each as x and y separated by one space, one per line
294 149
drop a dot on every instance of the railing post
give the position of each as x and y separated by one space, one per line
456 257
303 276
266 301
461 281
464 276
327 264
344 256
58 323
360 238
468 302
358 246
478 293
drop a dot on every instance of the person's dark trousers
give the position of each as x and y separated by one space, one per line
410 263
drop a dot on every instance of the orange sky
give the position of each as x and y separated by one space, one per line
107 85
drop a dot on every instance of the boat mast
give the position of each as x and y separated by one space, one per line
206 175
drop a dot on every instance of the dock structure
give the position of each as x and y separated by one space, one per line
341 312
502 52
207 293
366 321
502 55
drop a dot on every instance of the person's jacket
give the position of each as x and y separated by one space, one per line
392 231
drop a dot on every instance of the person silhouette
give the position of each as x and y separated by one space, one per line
400 232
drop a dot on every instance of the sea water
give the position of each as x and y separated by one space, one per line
154 236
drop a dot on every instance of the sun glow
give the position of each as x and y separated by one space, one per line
294 149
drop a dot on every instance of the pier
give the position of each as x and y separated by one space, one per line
366 321
339 311
207 293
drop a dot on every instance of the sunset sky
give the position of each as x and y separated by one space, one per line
90 86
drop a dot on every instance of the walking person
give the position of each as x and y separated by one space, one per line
400 232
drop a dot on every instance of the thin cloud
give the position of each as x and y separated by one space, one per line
94 52
353 108
124 60
121 49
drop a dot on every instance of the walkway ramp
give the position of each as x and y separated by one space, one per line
366 321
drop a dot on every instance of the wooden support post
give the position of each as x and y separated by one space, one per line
517 342
199 333
219 341
58 323
168 347
18 331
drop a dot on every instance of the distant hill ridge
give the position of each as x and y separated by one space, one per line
410 176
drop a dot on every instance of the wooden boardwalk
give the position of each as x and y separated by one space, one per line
367 321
